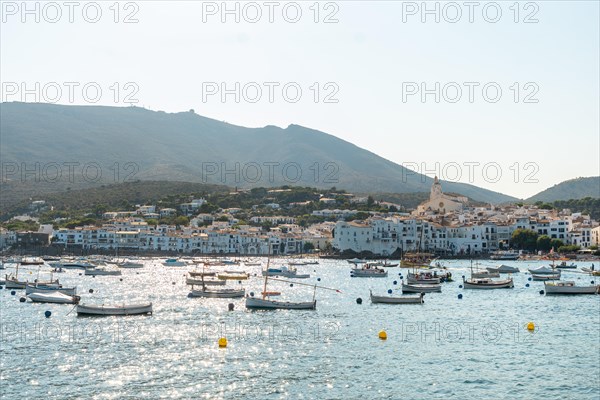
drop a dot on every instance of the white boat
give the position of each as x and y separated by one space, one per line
131 264
194 274
225 293
132 309
102 271
265 304
173 262
207 282
424 278
397 300
356 261
252 264
53 297
31 288
485 274
504 255
568 287
544 270
486 283
285 272
421 288
368 271
75 265
32 261
545 277
503 269
11 282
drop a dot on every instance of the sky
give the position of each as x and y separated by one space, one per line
503 95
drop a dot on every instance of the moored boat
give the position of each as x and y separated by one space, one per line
421 288
265 304
173 262
485 274
207 282
543 270
232 276
131 309
504 255
102 271
218 293
285 272
487 283
53 297
564 265
503 269
397 300
545 277
368 271
568 287
33 288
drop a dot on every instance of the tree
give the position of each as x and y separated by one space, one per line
181 221
370 201
308 247
524 239
544 243
556 243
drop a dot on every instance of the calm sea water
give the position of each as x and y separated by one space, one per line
476 347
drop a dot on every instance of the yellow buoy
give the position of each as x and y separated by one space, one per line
530 326
222 342
382 335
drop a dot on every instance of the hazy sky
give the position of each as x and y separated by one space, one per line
373 58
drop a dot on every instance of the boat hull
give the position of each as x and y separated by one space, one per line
206 282
545 277
218 294
135 309
263 304
47 289
488 284
417 288
53 297
552 289
396 300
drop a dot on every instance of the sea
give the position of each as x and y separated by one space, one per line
474 346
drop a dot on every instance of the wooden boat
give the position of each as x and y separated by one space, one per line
503 269
202 273
486 283
415 260
225 293
53 297
232 277
273 293
421 288
424 278
368 271
32 261
545 277
285 272
564 265
591 271
264 304
568 287
12 282
207 282
29 288
132 309
102 271
397 300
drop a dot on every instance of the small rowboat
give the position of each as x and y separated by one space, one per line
485 274
421 288
397 300
264 304
200 273
485 283
53 297
232 277
101 271
132 309
545 277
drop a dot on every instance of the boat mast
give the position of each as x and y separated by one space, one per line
264 293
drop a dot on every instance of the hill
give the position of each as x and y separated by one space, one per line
577 188
84 146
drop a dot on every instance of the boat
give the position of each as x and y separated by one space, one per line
368 271
101 271
414 260
545 277
591 271
485 274
53 297
173 262
564 265
35 288
252 264
296 263
285 272
397 300
218 293
11 282
568 287
487 283
75 265
131 309
265 304
207 282
426 278
504 255
421 288
194 274
312 262
272 293
232 277
503 269
356 261
131 264
32 261
543 270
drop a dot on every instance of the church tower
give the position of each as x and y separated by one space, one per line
436 189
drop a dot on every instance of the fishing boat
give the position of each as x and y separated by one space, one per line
229 276
36 288
296 263
397 300
75 265
173 262
487 283
32 261
568 287
271 293
11 282
504 255
207 282
225 293
485 274
312 262
425 278
252 264
53 297
415 260
503 269
421 288
102 271
564 265
545 277
202 273
131 309
356 261
368 271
